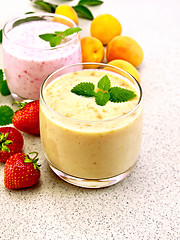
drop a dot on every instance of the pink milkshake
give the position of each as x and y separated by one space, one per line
29 60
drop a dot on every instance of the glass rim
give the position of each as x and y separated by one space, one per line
23 16
90 121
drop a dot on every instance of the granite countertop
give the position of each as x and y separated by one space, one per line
143 206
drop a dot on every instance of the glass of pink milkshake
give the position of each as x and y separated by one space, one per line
29 60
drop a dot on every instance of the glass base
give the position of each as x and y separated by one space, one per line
19 98
91 183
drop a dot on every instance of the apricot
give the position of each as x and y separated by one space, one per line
105 27
126 66
125 48
67 11
92 50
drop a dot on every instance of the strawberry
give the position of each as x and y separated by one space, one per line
26 119
11 142
21 171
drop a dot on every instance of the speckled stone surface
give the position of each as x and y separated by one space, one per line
144 206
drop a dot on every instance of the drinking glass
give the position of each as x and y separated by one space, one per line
86 153
29 60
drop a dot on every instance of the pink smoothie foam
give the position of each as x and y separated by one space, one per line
29 60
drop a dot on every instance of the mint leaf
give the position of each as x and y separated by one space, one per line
83 12
102 98
118 94
6 114
85 89
59 32
47 36
55 38
4 90
104 83
48 7
70 31
1 36
54 41
90 2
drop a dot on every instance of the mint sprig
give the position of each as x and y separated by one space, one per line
55 38
104 92
4 90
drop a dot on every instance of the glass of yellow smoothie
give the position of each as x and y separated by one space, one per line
91 123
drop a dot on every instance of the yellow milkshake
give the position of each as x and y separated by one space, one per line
85 140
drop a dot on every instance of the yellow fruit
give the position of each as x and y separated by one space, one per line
126 66
105 27
92 50
125 48
67 11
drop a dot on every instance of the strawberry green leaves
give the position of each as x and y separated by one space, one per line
55 38
4 142
104 92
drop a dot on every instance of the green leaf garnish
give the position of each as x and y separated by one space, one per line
85 89
6 114
83 12
102 98
4 90
70 31
90 2
55 38
1 36
119 94
54 41
104 83
47 37
104 92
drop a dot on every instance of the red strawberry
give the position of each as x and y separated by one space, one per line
11 142
21 171
26 119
